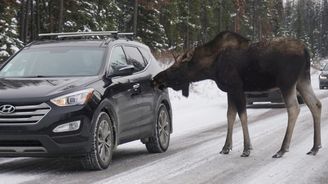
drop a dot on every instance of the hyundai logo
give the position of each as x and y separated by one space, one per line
7 109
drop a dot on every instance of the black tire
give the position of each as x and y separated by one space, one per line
102 144
159 143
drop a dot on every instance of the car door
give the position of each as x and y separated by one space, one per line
123 95
145 111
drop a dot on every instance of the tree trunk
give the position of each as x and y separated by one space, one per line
239 5
188 31
135 17
220 15
32 34
51 20
22 21
27 2
37 14
61 16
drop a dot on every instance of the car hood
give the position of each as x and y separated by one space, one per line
39 89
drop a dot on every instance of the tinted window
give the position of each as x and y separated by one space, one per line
118 59
145 54
135 58
55 62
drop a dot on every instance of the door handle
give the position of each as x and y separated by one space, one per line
136 89
136 86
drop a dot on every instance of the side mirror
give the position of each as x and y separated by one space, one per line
124 71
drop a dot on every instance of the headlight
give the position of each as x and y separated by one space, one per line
76 98
322 77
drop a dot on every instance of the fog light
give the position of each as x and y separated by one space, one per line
68 127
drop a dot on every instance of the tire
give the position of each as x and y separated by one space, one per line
159 143
102 144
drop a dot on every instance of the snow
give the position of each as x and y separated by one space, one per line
14 178
3 47
14 49
4 54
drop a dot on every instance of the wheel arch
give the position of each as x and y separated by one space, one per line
107 107
167 104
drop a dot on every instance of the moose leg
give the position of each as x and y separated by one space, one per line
231 115
239 99
305 89
293 110
247 143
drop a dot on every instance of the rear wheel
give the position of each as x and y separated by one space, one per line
159 143
102 144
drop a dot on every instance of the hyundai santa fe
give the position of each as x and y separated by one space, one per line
82 98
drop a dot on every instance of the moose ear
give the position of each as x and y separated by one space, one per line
189 55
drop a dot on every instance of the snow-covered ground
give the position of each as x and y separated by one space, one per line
193 156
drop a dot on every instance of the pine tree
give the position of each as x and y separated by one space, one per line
9 38
149 29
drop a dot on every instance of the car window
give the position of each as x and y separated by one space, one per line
135 58
145 55
117 60
326 68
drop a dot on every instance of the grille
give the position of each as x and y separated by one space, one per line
28 114
24 143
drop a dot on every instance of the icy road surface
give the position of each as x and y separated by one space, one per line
193 156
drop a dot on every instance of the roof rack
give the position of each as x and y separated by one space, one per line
114 34
79 34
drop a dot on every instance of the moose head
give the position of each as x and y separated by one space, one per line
198 63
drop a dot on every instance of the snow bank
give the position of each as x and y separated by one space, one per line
206 90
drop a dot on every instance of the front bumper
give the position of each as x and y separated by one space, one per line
38 139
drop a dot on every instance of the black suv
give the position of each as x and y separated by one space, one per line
323 77
82 98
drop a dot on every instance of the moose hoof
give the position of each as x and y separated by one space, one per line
279 154
246 153
314 150
225 150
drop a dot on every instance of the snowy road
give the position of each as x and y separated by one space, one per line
193 156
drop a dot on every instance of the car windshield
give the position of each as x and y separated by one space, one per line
55 62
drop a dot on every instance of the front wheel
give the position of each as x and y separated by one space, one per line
101 153
159 143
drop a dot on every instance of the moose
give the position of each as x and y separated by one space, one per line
237 66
